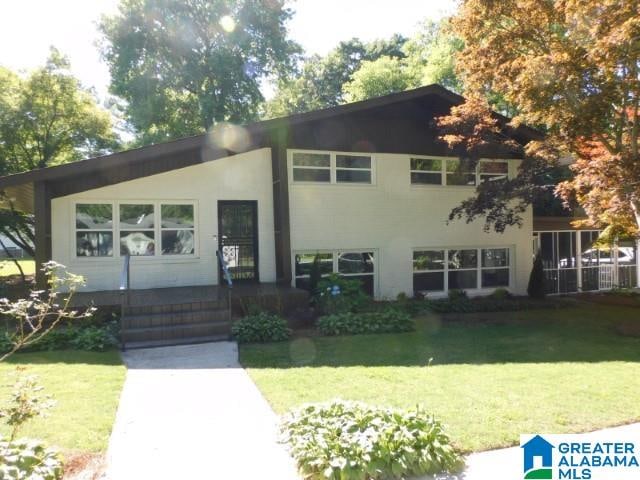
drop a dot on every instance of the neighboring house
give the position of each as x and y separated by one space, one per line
14 251
366 186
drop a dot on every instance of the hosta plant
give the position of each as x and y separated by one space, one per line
354 441
28 460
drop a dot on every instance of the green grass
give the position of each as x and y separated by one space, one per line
86 387
546 371
8 267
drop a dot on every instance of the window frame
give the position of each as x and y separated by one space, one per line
333 168
157 206
335 253
115 247
444 173
478 269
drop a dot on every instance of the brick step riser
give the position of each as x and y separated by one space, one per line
174 319
175 333
175 308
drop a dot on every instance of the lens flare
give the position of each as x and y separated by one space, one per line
229 137
227 23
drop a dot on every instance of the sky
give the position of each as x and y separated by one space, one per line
29 27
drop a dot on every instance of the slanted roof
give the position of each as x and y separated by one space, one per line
149 160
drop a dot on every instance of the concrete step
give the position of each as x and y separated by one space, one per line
174 332
149 320
176 341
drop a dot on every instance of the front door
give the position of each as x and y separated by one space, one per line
238 238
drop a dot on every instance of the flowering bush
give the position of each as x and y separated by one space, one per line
354 441
28 459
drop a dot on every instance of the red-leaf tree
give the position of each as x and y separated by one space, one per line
571 68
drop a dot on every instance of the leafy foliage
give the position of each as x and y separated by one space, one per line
354 441
35 317
536 286
315 275
496 302
572 69
336 294
261 327
29 459
26 403
389 320
377 78
183 66
319 82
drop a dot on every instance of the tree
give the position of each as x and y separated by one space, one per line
182 65
46 118
573 69
431 55
376 78
319 82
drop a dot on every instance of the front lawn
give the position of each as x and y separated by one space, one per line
489 377
86 387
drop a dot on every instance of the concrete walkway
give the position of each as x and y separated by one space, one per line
191 412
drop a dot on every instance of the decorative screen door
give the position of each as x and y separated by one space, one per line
238 238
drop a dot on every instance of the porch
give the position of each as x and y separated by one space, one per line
185 315
578 261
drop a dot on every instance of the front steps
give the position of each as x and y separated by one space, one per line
175 324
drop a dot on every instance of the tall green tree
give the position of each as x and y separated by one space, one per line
182 65
319 82
46 118
377 78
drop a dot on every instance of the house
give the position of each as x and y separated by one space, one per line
366 186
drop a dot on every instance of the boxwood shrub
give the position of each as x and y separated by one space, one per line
28 459
261 327
386 321
354 441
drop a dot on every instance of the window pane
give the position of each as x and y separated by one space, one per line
311 175
589 253
355 262
94 244
428 260
463 259
495 277
428 282
177 216
567 249
178 242
311 159
453 166
305 260
419 178
463 279
94 216
137 243
494 167
428 164
353 161
461 179
495 257
136 216
353 176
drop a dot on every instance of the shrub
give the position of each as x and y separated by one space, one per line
457 295
336 294
500 294
29 459
536 287
492 304
79 337
314 275
260 328
385 321
93 339
353 441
